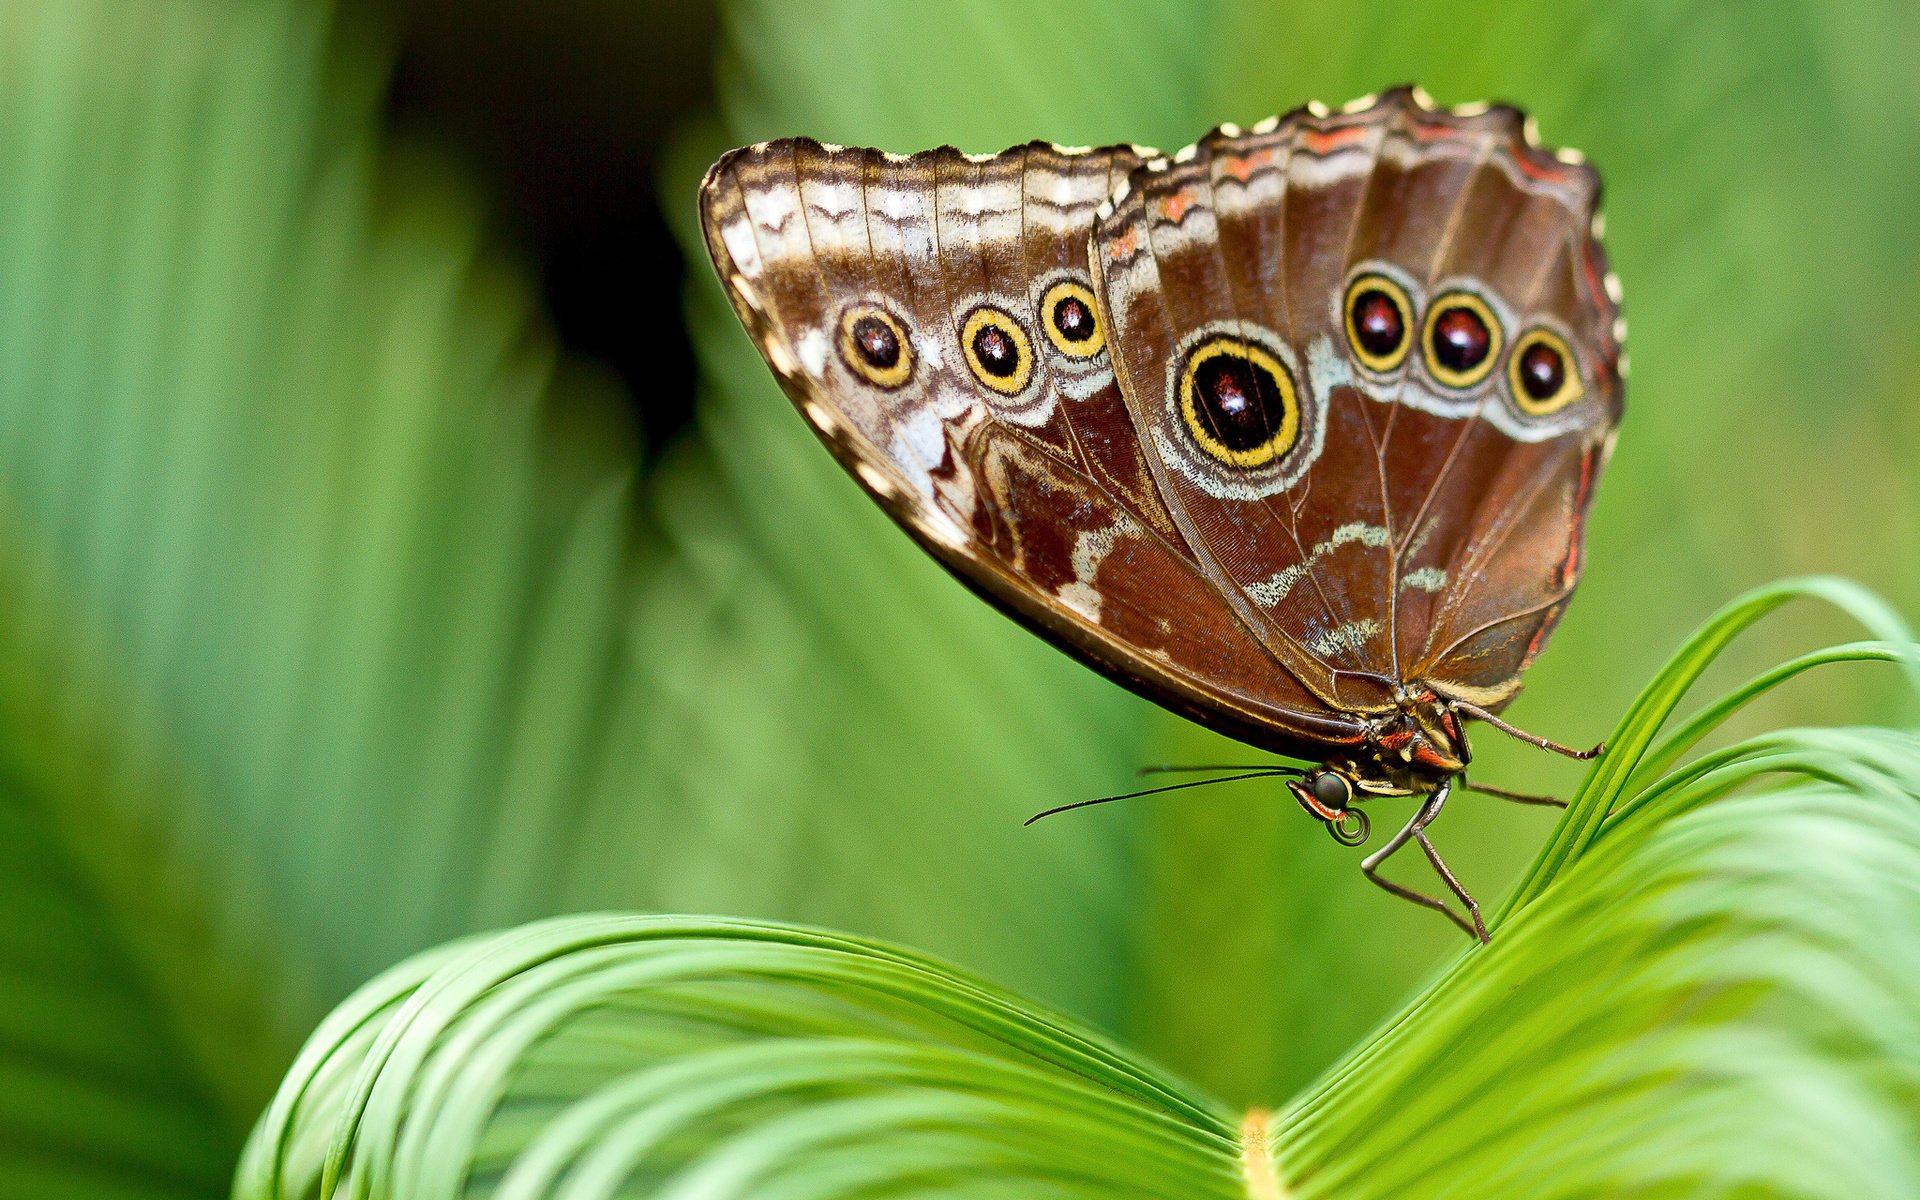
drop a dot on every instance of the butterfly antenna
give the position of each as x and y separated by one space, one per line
1532 739
1175 768
1265 773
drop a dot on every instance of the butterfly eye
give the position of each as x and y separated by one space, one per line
1462 339
1542 373
998 351
1239 402
875 346
1072 320
1332 790
1378 318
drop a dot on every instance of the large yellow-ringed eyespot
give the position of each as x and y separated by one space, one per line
1461 338
1379 320
1239 402
1543 373
1072 320
874 346
999 353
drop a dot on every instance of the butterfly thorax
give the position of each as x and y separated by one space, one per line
1410 748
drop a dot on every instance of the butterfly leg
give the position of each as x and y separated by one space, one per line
1459 889
1515 797
1412 830
1532 739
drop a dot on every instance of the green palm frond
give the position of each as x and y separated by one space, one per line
1690 993
310 571
337 624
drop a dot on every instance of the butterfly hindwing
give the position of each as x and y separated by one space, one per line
1400 495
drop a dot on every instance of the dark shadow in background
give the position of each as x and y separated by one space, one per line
560 110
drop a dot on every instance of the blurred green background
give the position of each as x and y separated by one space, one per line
399 538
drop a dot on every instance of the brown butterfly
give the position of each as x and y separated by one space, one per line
1294 431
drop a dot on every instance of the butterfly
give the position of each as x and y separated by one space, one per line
1294 431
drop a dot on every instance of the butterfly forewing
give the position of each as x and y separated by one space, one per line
935 320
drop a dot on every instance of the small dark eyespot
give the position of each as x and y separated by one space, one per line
995 351
1543 374
1332 790
1376 323
1377 315
1542 371
876 342
874 346
1461 339
1073 319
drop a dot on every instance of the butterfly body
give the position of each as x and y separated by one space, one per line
1294 431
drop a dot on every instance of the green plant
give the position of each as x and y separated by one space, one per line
1681 999
339 622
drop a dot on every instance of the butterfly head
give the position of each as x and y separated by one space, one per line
1409 750
1329 794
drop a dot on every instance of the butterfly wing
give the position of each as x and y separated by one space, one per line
933 319
1337 332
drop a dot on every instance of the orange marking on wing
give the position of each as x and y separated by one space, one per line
1596 282
1179 205
1126 245
1242 166
1570 566
1551 171
1327 141
1534 643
